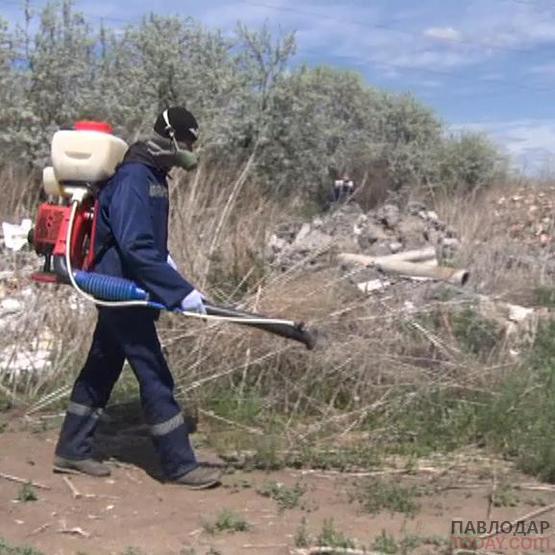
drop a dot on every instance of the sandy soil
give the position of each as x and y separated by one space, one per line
134 509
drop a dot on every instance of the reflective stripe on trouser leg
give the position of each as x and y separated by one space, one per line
78 427
90 393
171 440
168 426
83 410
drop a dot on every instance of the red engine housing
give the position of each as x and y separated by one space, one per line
50 236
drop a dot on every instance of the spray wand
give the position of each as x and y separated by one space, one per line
110 291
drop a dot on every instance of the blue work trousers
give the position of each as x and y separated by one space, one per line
127 333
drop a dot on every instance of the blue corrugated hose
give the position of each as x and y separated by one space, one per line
109 288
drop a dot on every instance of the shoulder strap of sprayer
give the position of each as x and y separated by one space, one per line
94 256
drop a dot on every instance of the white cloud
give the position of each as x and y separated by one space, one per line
529 142
443 33
438 37
482 32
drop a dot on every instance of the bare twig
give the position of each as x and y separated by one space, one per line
10 394
133 478
534 487
211 414
324 550
23 481
264 546
391 472
40 529
491 498
75 532
74 491
528 516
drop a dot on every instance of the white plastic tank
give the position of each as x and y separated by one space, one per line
86 154
50 184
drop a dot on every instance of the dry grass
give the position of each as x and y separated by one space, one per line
376 359
501 264
20 190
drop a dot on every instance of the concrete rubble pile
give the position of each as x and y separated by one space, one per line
384 234
527 216
394 251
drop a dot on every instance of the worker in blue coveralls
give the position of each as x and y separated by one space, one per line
131 242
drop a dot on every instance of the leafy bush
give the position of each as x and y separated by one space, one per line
301 125
468 162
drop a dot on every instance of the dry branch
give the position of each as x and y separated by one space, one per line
74 491
249 429
324 550
528 516
22 481
75 532
40 529
264 546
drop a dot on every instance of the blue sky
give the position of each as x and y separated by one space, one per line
481 64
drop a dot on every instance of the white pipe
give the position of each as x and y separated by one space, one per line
409 269
417 255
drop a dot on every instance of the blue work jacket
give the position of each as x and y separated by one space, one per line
132 233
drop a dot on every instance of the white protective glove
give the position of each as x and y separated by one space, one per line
193 302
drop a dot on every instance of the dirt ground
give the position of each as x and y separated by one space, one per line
133 512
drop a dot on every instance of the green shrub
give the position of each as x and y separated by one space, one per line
286 497
436 419
27 493
522 419
385 543
7 549
376 496
227 521
330 537
468 162
545 296
476 334
302 536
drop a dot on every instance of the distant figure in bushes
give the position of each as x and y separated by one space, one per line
343 189
131 242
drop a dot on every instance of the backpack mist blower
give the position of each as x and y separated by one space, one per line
83 158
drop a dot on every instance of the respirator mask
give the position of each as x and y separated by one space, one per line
171 153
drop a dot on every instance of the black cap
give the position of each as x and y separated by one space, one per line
184 124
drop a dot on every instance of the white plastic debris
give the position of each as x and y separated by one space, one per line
368 287
15 364
520 314
15 235
10 305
